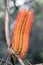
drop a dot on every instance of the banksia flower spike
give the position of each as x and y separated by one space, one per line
21 32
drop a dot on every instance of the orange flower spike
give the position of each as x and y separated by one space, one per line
21 34
26 35
19 21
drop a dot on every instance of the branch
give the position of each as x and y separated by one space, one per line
7 33
14 53
3 61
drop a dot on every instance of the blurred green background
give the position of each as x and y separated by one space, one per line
35 54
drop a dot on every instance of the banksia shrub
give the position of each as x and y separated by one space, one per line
21 32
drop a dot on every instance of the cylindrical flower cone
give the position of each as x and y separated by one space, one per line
21 32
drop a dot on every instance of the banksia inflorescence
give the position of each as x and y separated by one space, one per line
21 32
